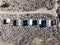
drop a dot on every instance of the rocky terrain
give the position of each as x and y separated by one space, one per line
29 35
27 5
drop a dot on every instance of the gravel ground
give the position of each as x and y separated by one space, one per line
28 35
28 5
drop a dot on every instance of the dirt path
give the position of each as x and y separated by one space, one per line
53 11
39 11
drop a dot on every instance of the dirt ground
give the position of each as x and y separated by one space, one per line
28 35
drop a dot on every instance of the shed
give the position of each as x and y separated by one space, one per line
27 22
53 22
48 23
37 22
15 22
6 21
43 23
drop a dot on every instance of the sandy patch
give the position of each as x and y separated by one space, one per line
37 41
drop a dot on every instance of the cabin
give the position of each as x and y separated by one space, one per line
15 22
48 23
37 22
6 21
53 22
27 22
43 23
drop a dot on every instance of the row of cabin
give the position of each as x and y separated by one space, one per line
42 23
